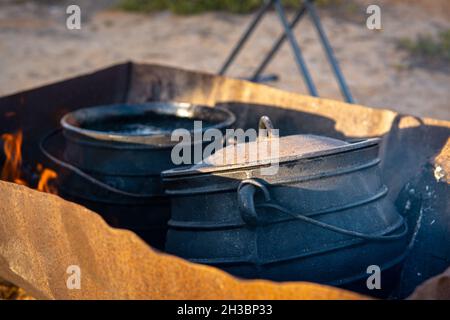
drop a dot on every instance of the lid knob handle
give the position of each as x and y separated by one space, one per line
266 125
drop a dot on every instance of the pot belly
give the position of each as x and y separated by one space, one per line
282 248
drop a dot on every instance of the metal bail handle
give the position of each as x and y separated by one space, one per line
80 172
246 192
266 125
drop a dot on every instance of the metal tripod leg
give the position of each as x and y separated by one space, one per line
329 51
277 45
296 49
245 36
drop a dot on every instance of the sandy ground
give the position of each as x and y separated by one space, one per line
36 48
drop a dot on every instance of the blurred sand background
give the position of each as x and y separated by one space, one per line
36 48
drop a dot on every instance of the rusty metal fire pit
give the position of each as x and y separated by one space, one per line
415 166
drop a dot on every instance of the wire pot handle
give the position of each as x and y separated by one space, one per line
247 189
80 172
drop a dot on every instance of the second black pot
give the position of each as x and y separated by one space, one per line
114 154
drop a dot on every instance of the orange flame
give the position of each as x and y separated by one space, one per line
12 168
43 184
13 151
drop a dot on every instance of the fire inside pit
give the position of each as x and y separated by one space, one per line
14 170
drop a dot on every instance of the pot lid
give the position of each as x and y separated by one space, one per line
268 146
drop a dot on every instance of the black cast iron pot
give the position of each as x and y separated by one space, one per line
114 154
323 217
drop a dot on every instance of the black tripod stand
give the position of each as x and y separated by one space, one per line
307 6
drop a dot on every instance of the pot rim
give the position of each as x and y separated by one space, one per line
179 109
201 169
